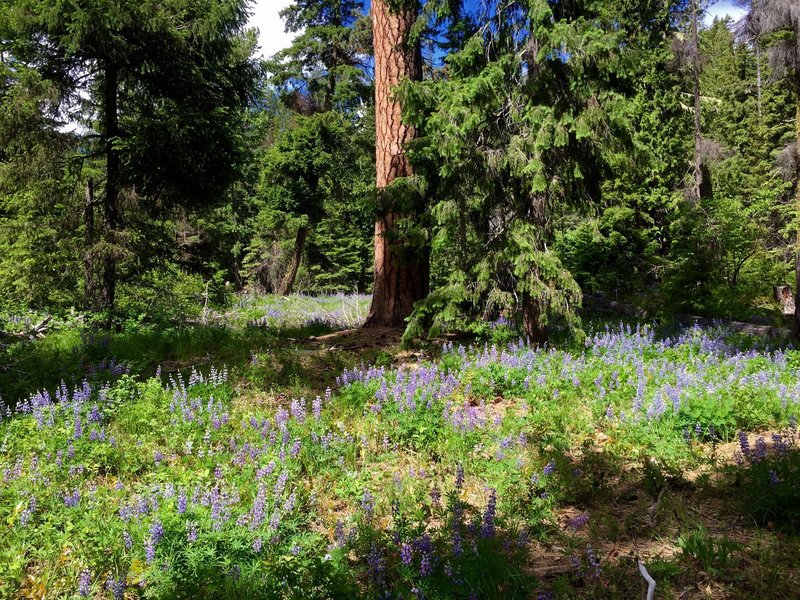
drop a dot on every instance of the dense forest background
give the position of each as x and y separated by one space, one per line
150 164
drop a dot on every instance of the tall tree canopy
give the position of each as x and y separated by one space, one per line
159 88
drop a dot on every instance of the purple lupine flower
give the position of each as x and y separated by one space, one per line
84 583
316 407
116 587
257 544
156 531
549 468
406 554
298 409
376 565
182 501
578 521
773 478
275 520
127 540
280 484
158 456
459 477
487 526
368 504
191 531
594 564
760 452
425 566
744 444
339 536
149 550
72 499
295 450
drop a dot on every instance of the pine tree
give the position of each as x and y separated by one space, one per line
401 258
523 125
165 82
779 22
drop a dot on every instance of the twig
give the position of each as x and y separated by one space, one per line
651 583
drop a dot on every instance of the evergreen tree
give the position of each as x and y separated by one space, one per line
401 255
165 84
778 22
322 78
523 126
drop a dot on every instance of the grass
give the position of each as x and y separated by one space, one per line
260 463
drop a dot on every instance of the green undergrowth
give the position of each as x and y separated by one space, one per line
491 471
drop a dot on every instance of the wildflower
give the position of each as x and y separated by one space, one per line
773 478
275 521
425 566
368 504
71 500
488 527
280 484
84 583
116 587
744 444
761 449
549 468
316 407
376 565
406 553
182 501
295 451
579 521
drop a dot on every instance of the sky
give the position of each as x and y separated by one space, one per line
273 38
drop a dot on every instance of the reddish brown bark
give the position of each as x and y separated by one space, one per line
401 271
796 332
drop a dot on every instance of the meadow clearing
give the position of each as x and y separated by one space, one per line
264 452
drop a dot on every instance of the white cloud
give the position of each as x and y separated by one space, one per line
723 9
271 34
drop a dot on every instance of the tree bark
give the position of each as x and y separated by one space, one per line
796 329
111 213
698 123
297 256
535 332
401 269
89 298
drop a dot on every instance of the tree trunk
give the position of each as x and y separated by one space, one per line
697 186
796 330
401 268
111 207
89 298
299 244
534 330
759 84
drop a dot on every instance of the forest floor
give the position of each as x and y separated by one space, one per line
278 451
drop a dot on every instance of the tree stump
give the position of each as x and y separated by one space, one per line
784 297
